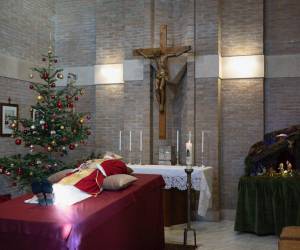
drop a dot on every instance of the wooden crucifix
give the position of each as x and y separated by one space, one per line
160 58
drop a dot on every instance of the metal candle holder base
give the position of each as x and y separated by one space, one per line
188 226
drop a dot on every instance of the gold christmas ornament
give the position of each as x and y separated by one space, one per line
53 142
62 127
81 120
39 98
60 76
49 148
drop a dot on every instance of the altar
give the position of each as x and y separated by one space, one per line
175 190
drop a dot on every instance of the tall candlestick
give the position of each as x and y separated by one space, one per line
141 140
120 141
130 140
202 141
177 141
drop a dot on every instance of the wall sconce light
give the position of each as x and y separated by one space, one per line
243 67
109 73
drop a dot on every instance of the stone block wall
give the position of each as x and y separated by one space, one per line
282 39
75 27
25 27
242 108
242 126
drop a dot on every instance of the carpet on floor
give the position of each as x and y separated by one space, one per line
169 246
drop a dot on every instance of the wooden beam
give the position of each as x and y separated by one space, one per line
149 52
162 125
178 49
163 37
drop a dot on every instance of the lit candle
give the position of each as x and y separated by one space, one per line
141 140
130 141
189 154
177 141
202 143
120 141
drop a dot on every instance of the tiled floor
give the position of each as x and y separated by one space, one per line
221 236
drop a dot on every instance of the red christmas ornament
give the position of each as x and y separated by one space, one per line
71 146
76 98
19 171
18 141
7 173
53 85
45 76
59 104
70 105
31 86
53 97
67 97
45 126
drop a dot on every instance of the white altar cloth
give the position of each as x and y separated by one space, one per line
175 177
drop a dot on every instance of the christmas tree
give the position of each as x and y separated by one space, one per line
55 127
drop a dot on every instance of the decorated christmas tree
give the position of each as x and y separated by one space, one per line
54 129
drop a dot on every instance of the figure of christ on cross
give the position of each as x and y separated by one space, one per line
160 57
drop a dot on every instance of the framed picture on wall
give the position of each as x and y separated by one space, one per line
7 113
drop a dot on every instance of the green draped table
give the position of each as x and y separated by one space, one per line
267 204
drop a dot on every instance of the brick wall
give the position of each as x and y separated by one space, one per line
207 27
207 120
242 118
75 29
241 27
282 103
25 27
242 126
282 22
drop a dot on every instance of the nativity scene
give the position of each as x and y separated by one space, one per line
149 125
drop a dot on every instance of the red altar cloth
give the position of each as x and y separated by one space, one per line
130 219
